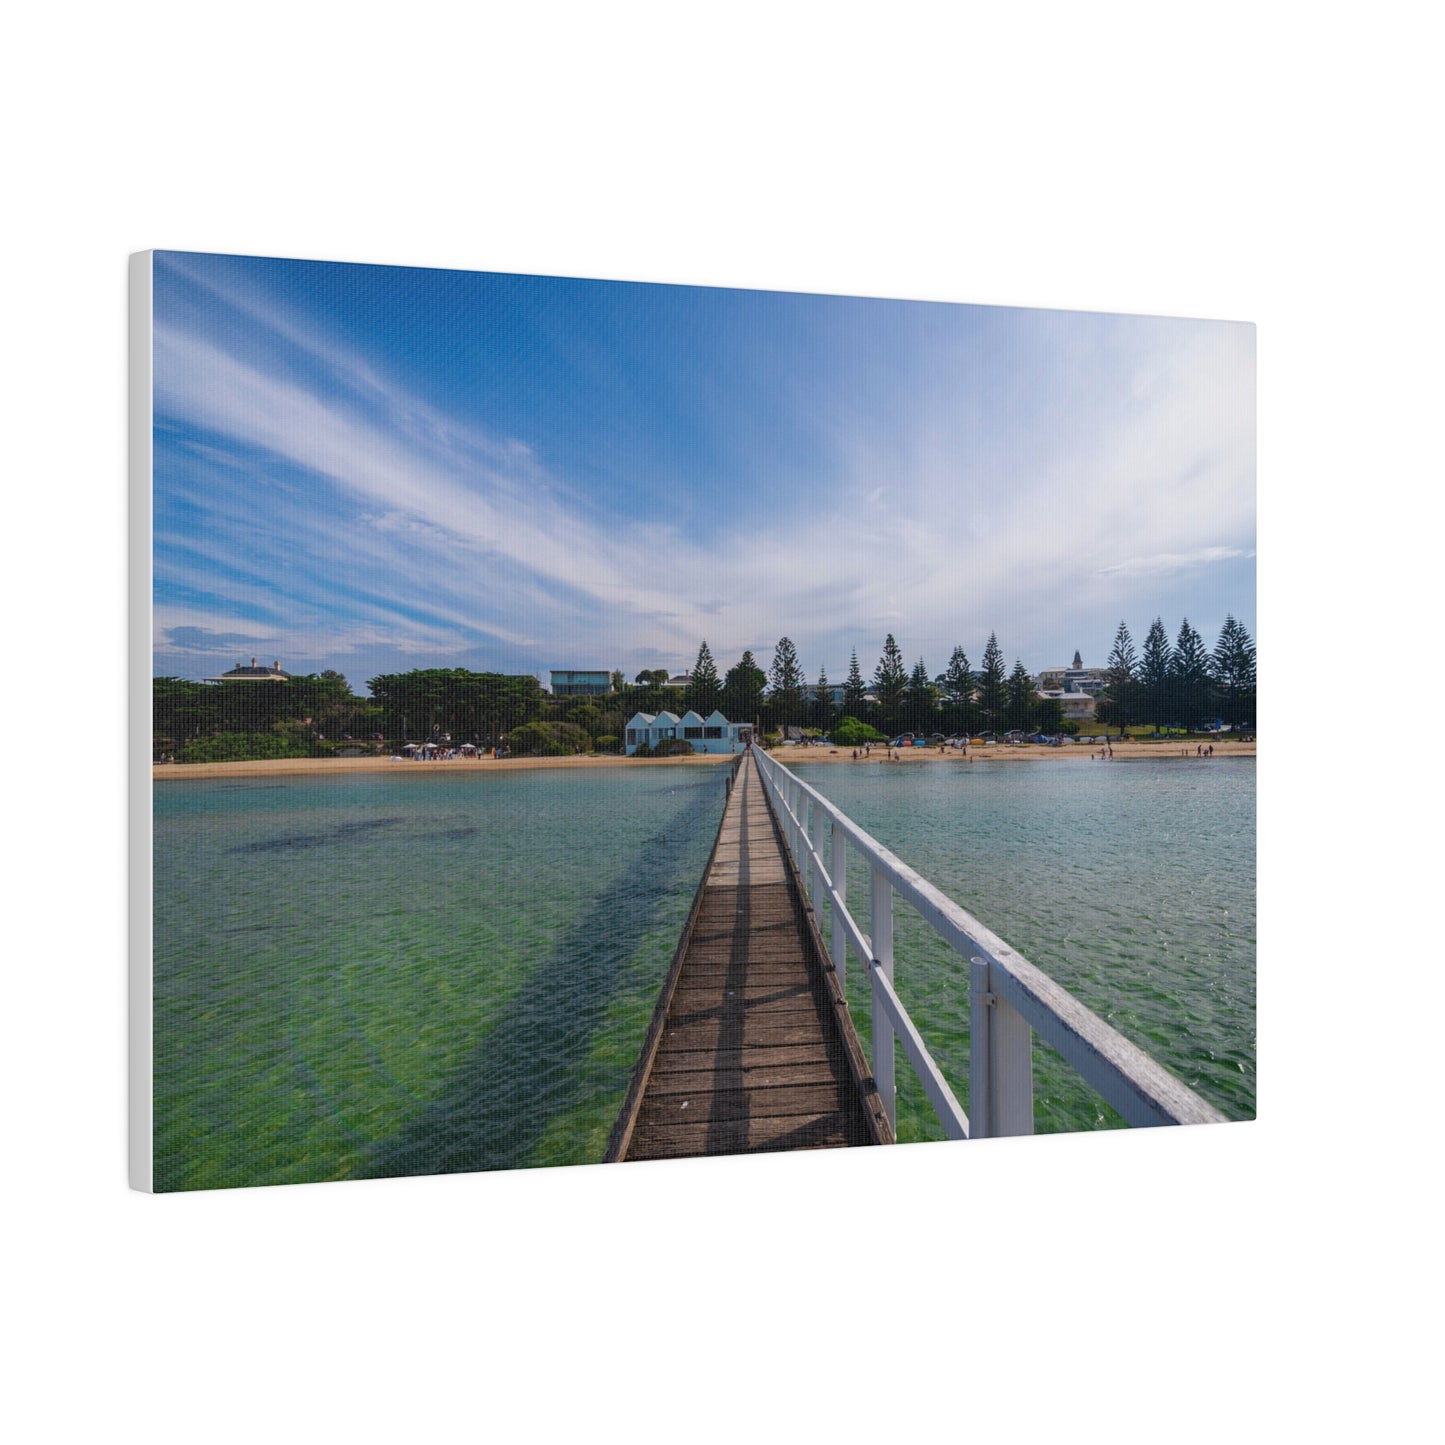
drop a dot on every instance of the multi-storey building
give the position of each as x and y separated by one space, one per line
580 684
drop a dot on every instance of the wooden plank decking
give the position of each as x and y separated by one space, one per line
751 1047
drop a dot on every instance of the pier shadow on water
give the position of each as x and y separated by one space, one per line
532 1065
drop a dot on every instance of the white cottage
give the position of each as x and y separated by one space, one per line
713 734
1077 706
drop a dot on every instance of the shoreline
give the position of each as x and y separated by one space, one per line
910 757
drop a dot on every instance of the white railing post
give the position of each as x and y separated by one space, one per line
1001 1061
1013 1070
815 846
882 911
980 1107
839 861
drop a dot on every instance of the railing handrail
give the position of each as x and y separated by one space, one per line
1139 1088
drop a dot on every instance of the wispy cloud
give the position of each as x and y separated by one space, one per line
1173 562
1030 473
441 499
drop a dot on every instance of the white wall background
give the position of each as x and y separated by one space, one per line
1249 1282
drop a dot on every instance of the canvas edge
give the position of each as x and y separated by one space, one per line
141 456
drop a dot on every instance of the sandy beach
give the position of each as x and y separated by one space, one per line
908 757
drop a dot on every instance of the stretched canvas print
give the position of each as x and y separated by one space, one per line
600 722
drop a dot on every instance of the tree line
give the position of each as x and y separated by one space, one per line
318 714
1168 686
1164 685
1182 685
255 719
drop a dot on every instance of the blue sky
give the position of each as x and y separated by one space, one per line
376 468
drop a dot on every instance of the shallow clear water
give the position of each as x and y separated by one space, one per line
1130 883
449 970
419 973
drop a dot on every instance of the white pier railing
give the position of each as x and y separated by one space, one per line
1009 999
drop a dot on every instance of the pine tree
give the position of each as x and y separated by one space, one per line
706 687
1123 670
1234 672
854 689
890 677
743 690
823 701
1189 678
786 680
1154 668
1020 704
958 680
920 700
991 684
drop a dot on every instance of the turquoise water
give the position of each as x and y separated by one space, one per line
446 969
1130 883
425 972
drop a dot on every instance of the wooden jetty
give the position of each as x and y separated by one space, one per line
751 1048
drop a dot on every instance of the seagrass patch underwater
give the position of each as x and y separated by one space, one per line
364 976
